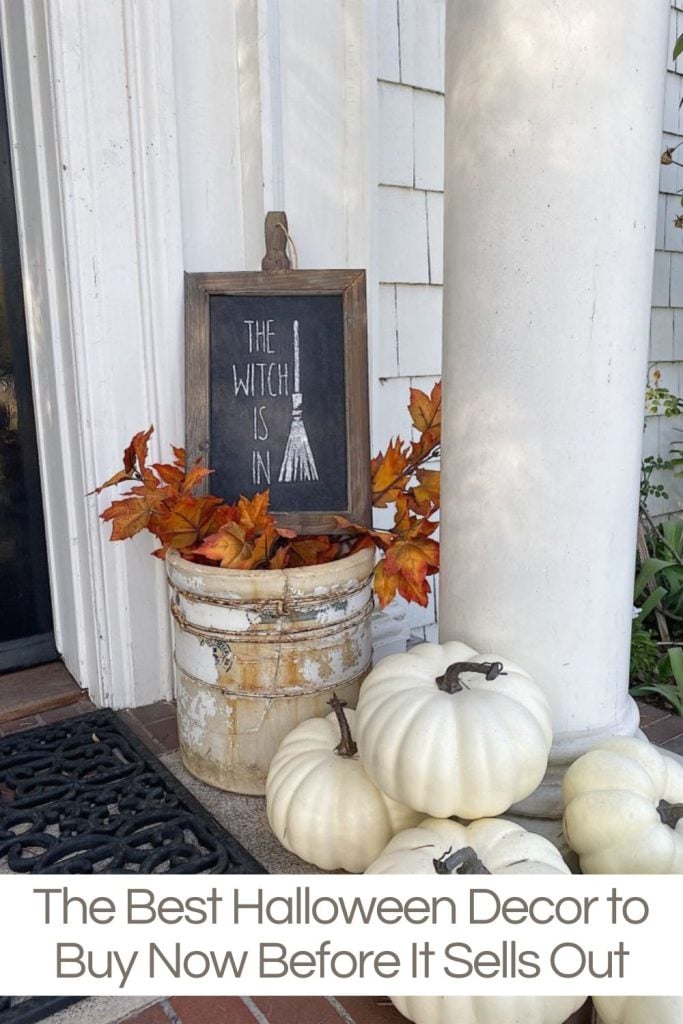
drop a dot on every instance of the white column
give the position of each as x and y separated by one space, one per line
553 119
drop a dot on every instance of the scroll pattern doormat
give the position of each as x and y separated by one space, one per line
32 1009
86 796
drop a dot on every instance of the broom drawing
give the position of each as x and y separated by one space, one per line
297 462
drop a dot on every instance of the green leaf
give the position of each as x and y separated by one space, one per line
675 655
650 567
678 48
673 534
651 603
665 690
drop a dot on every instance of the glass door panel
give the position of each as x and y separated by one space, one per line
25 611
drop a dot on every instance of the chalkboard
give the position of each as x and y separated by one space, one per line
277 390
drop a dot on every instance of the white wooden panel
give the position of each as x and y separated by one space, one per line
390 412
422 29
435 228
396 135
312 61
670 175
403 246
676 292
419 316
678 337
661 276
672 99
669 432
661 222
669 376
221 164
673 236
388 57
429 140
662 334
651 436
385 356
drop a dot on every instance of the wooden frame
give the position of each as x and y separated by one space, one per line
350 286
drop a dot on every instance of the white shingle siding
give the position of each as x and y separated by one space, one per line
666 326
396 160
407 350
388 59
418 328
404 250
428 139
422 43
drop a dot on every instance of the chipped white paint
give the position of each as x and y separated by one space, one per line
267 663
194 712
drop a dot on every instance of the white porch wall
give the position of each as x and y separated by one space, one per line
410 217
151 138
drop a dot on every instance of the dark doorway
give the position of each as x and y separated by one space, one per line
26 636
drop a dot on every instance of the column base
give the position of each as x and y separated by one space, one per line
546 801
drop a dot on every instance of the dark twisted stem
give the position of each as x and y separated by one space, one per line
670 814
462 862
450 681
346 746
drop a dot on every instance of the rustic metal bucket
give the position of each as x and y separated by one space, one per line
257 652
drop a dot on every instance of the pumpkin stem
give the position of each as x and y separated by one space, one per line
670 814
450 681
462 862
346 746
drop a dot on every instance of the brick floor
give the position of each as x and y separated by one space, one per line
284 1010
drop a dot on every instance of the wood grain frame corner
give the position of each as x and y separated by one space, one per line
350 285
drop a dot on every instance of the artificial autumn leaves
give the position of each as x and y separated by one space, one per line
246 536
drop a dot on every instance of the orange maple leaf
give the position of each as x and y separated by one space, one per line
139 446
385 585
194 477
381 538
280 560
313 550
409 562
171 475
427 491
186 523
425 410
127 516
229 547
389 473
252 513
117 478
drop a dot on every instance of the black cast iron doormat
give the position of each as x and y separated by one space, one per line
33 1009
86 796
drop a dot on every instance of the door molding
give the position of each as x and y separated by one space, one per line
91 113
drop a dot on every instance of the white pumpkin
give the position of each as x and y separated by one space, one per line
487 1009
499 847
452 732
639 1009
320 803
624 809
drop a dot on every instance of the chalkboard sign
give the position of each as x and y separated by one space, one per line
277 391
